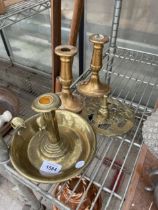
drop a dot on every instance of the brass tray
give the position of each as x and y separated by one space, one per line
73 129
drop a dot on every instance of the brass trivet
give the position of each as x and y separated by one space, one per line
108 116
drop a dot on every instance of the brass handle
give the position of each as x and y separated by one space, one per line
18 122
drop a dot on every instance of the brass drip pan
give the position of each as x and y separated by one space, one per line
72 151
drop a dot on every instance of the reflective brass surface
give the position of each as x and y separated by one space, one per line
69 101
93 86
58 137
72 200
18 122
108 116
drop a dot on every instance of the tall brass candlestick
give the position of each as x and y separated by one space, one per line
69 101
50 146
93 87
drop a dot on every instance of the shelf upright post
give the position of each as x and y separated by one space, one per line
55 38
113 37
7 44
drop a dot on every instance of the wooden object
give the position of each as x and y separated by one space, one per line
2 7
11 2
156 105
6 3
76 19
56 38
58 86
56 33
137 198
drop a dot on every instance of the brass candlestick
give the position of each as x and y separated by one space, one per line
93 87
72 199
108 116
69 101
52 146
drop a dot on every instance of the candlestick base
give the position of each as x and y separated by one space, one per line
94 89
71 102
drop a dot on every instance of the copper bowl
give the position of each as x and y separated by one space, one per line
8 101
64 190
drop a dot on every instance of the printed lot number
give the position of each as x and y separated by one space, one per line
49 167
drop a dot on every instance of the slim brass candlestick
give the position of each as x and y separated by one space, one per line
69 101
93 86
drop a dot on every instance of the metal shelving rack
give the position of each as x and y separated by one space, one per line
16 13
22 10
123 149
126 70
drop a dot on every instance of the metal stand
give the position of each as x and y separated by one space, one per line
28 196
23 10
154 188
31 201
6 44
136 90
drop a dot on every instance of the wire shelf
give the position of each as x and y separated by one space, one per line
22 10
134 81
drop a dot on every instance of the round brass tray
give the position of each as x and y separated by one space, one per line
74 129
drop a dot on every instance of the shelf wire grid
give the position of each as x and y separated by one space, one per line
133 81
22 10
